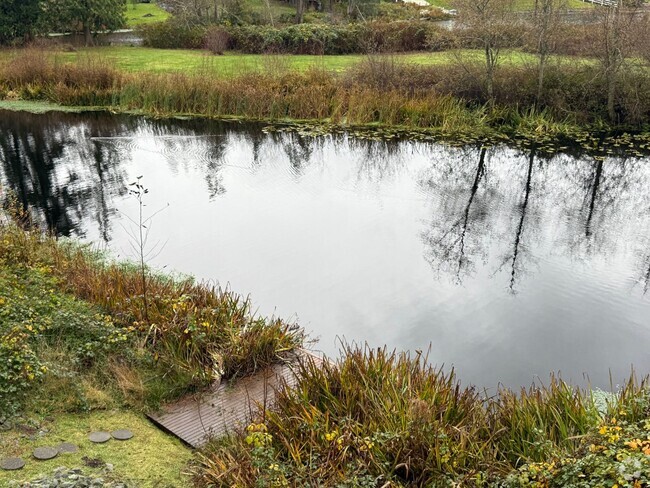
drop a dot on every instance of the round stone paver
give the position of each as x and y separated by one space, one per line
45 453
122 434
67 447
12 464
99 437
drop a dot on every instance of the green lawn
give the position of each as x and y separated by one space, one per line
144 13
136 59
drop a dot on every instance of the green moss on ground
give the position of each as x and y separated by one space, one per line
59 381
38 106
150 459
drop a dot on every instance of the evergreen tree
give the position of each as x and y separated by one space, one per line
86 15
18 19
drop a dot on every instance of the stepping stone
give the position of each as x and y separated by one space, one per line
99 437
45 453
66 447
12 464
122 434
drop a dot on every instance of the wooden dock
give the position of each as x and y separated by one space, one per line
224 407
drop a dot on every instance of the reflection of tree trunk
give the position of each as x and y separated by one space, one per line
594 195
480 171
520 227
102 210
646 280
16 170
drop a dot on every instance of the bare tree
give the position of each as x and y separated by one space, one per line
643 37
617 41
546 22
194 11
486 23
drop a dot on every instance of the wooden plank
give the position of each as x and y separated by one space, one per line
224 407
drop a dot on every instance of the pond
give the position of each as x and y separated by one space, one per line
501 263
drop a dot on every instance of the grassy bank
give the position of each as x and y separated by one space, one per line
445 98
79 332
67 368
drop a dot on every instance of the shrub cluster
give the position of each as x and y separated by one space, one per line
173 34
36 316
334 39
380 35
375 36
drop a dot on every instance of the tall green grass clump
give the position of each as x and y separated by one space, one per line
540 422
371 418
379 418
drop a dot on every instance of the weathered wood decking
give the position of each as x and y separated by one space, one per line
224 407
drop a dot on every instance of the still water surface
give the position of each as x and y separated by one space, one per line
507 264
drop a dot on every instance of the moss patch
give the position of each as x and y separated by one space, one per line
150 459
39 107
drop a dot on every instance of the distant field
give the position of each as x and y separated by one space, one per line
144 13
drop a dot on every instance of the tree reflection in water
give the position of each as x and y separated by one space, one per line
456 247
55 176
490 209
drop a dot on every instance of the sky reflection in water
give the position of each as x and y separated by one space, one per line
510 265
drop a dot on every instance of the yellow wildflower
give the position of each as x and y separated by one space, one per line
330 436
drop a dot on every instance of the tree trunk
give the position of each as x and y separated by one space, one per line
489 74
611 97
300 11
540 78
88 35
